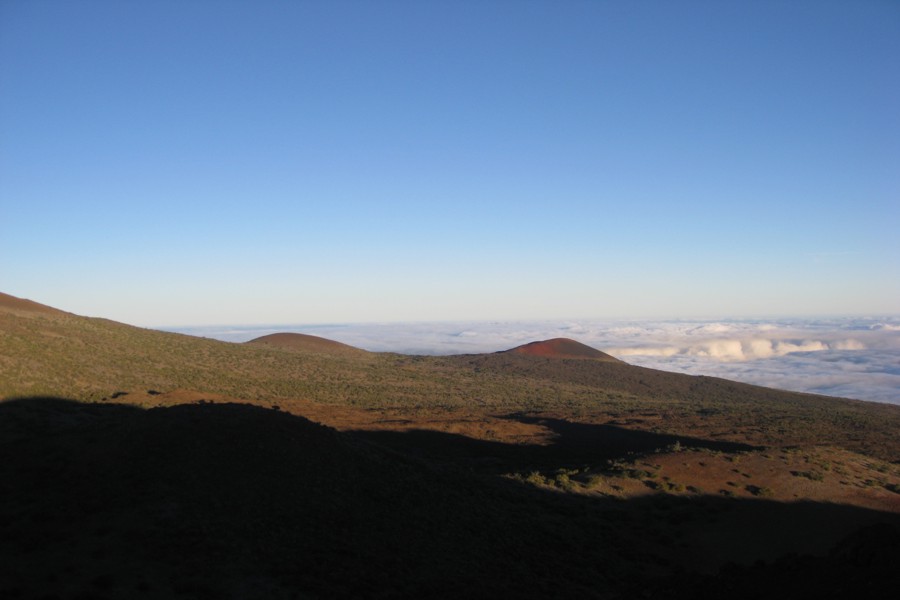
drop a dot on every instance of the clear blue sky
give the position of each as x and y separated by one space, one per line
188 162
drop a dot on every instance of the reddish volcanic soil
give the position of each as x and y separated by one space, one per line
302 341
22 305
562 348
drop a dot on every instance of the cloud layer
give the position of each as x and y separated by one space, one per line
855 358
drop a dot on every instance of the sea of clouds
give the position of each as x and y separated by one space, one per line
853 358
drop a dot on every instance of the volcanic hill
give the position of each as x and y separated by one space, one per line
561 348
305 342
140 463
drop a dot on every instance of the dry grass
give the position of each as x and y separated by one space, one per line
432 476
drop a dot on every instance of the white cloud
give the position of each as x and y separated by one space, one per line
714 328
660 351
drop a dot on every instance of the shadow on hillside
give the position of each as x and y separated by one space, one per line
237 501
615 441
574 445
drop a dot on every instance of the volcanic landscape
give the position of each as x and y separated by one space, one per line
141 464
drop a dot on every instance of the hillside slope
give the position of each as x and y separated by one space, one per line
16 305
305 342
236 501
171 466
52 353
561 348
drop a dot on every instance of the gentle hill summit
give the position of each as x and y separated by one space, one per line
20 305
302 341
562 348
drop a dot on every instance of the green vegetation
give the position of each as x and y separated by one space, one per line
535 478
635 474
762 492
811 475
671 486
595 481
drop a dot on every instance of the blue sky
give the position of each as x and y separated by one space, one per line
186 163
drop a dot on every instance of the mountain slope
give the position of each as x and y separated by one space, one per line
561 348
49 352
22 306
302 341
186 467
236 501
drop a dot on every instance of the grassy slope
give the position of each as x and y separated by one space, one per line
99 499
304 342
90 359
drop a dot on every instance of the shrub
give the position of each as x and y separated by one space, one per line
594 481
562 481
811 475
535 478
671 486
763 492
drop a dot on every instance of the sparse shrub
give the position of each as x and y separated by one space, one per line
811 475
892 487
637 474
563 481
535 478
762 492
671 486
593 482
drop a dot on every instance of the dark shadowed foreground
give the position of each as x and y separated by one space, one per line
238 501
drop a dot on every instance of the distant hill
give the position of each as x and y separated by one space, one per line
308 343
562 348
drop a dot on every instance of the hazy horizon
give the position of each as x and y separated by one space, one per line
223 162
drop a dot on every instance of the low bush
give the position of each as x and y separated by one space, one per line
762 492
